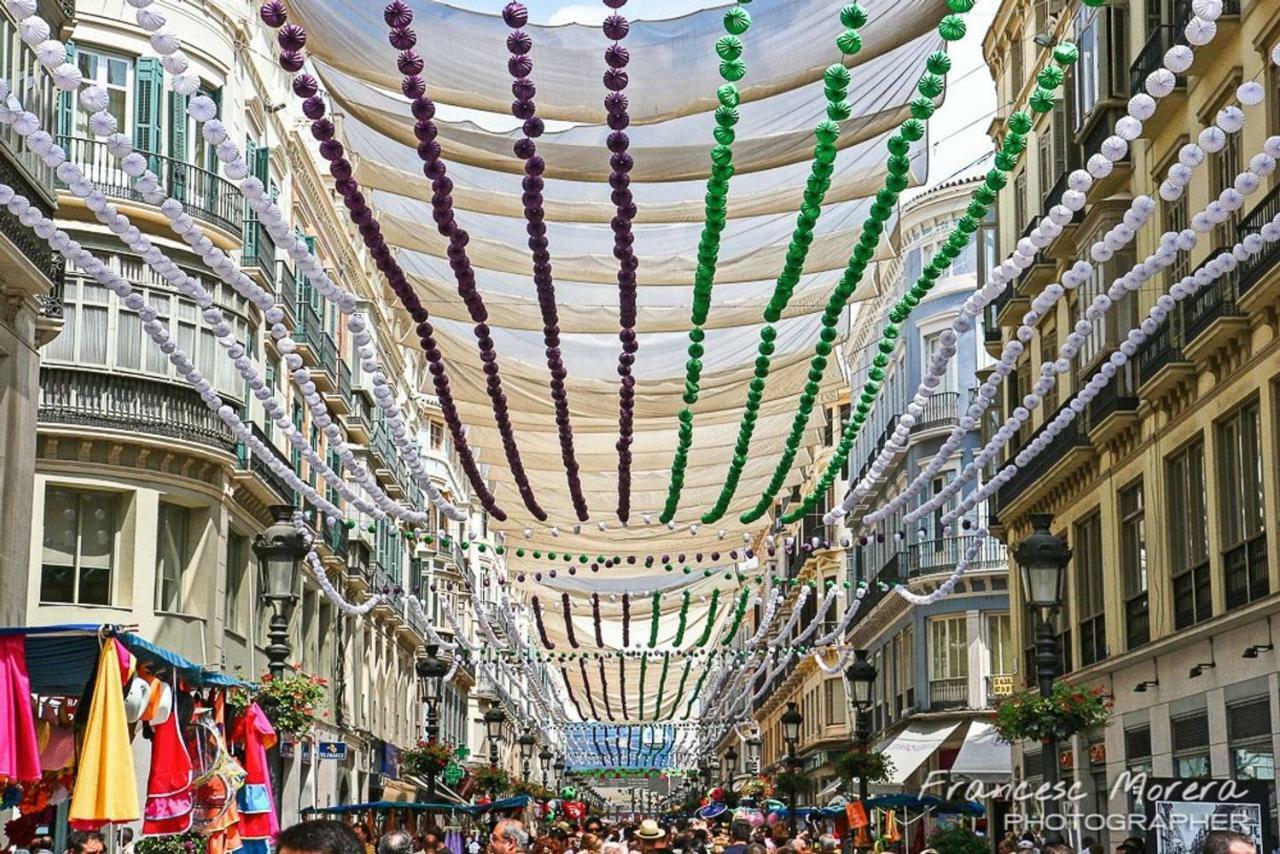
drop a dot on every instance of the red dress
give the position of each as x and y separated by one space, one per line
169 797
258 822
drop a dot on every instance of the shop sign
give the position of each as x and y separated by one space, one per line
333 750
1098 753
1067 760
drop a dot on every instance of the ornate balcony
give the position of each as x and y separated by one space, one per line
1211 313
1259 268
947 694
259 254
80 397
256 466
1151 56
1067 450
941 556
203 194
316 346
942 409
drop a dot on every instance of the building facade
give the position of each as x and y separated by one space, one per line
137 505
941 666
1167 487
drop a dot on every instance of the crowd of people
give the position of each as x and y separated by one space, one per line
648 836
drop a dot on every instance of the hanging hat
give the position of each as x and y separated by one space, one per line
137 695
649 829
161 704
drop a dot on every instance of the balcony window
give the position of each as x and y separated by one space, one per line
949 648
173 555
1137 754
80 542
101 331
238 568
1191 745
1049 352
1133 565
1240 506
1188 536
1175 218
1102 71
932 347
1020 215
833 701
1000 644
1109 329
28 80
113 73
1226 166
1090 605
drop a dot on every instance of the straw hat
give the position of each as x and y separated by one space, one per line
649 829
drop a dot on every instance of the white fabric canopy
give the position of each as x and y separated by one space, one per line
984 755
912 747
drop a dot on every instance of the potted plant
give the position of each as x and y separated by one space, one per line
756 787
190 842
1069 709
864 765
491 779
291 701
426 758
959 840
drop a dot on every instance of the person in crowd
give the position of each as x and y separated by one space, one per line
396 842
126 842
85 842
320 836
1226 842
1057 848
740 831
473 843
1132 845
509 837
364 838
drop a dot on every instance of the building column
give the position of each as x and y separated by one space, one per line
19 402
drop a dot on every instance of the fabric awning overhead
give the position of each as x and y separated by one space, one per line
912 747
984 755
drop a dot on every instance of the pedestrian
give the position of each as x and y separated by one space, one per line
364 838
85 842
320 836
396 842
509 837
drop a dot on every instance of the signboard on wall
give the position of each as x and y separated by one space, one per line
1181 812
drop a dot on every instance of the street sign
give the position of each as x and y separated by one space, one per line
333 750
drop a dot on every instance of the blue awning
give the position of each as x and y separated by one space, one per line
61 659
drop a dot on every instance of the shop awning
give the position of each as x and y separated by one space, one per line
912 747
984 755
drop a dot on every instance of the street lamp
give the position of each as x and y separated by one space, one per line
1042 559
527 743
279 550
753 755
493 721
558 767
862 675
544 760
791 721
431 672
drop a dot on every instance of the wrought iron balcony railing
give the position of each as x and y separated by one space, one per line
950 693
942 555
203 194
1160 350
71 395
1072 436
259 467
1208 304
942 409
259 250
1253 268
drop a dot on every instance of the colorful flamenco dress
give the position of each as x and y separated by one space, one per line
105 790
169 796
19 751
258 824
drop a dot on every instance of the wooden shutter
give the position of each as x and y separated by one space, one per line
178 179
148 92
66 114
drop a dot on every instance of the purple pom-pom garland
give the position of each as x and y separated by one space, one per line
586 689
403 39
626 620
615 102
305 87
536 604
595 619
622 687
520 43
564 674
604 690
568 620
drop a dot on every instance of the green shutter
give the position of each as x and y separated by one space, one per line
147 100
250 215
178 177
313 294
261 163
66 106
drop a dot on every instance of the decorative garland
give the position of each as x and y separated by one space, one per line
729 47
568 620
1015 142
662 686
827 131
595 619
536 604
930 85
693 698
520 43
305 87
682 623
616 58
653 619
684 678
737 618
586 687
626 619
622 686
1230 120
711 619
604 690
402 37
572 698
644 666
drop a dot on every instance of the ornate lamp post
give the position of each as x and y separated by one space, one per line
279 550
544 760
1042 559
431 672
753 755
729 766
527 743
558 767
791 721
493 721
862 675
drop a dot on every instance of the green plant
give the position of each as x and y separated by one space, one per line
291 701
182 843
534 790
792 783
864 765
756 787
426 758
1068 710
491 779
958 840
